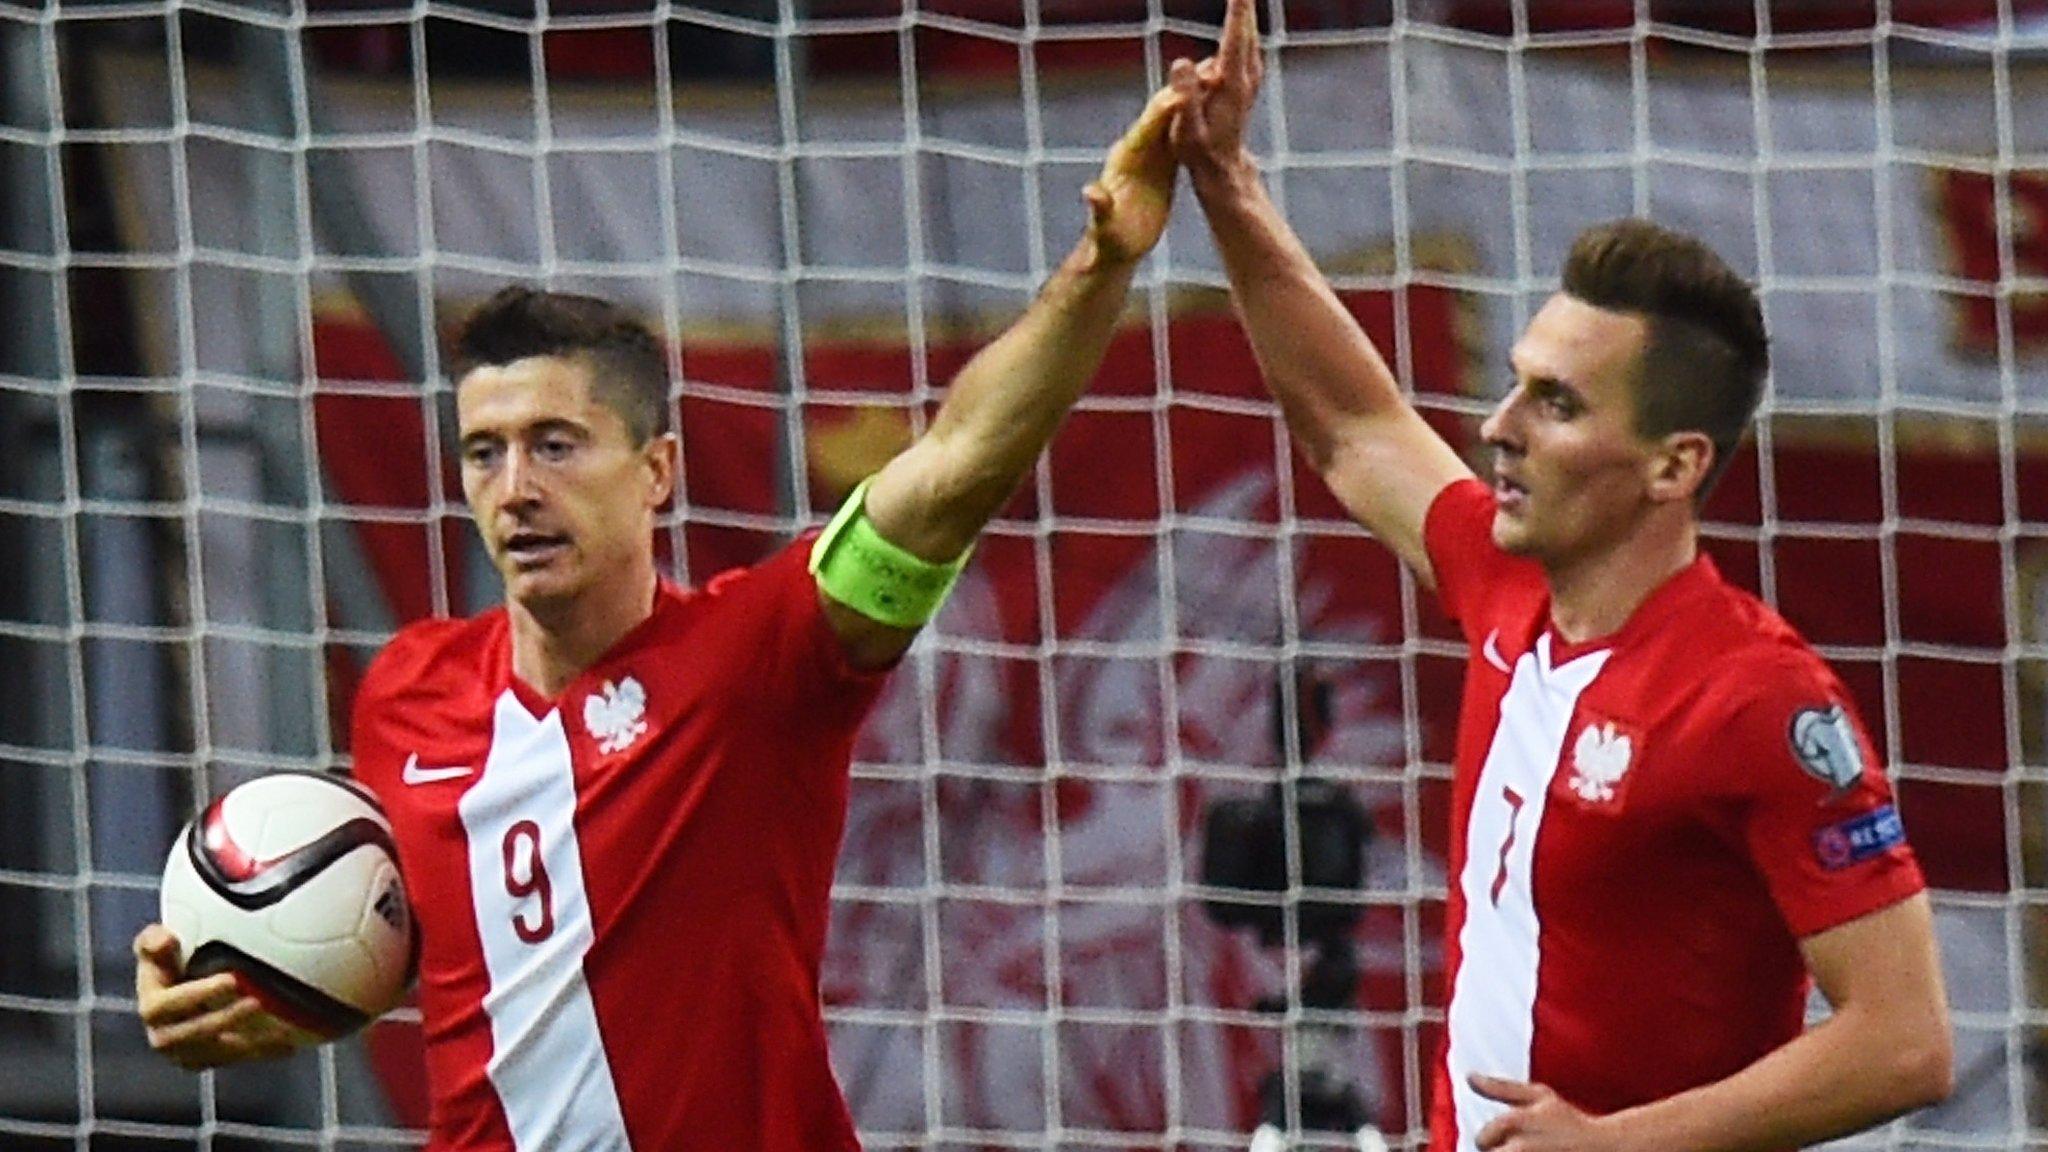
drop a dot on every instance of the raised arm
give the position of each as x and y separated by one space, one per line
1003 407
1343 406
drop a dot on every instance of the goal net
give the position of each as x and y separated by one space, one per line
230 234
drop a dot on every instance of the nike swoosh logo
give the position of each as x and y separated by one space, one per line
1491 650
414 774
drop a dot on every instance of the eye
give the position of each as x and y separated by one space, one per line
1558 403
554 449
481 455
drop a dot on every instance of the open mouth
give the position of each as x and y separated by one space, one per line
1508 493
534 549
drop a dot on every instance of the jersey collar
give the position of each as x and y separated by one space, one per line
1670 598
669 597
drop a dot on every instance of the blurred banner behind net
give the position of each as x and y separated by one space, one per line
231 233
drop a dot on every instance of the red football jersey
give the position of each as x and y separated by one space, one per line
1643 828
622 893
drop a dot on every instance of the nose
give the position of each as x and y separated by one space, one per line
1497 430
519 482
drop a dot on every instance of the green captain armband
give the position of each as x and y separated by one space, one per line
857 568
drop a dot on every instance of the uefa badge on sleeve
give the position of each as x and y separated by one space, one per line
1824 742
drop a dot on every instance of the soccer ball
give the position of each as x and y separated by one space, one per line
291 882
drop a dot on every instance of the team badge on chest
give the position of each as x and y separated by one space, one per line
616 714
1597 763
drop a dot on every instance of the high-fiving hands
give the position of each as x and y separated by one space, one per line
1196 120
1217 96
1129 203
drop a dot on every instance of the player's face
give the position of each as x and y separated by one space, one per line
1570 471
563 497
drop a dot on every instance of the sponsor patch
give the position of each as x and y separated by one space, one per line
1825 744
1859 838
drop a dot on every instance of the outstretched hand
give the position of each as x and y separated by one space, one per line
1208 135
1537 1120
1129 203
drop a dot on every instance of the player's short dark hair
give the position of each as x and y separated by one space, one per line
628 370
1702 369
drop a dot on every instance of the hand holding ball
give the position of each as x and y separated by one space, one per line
290 882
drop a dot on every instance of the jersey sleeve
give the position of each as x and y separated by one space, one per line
1816 814
406 679
1469 566
801 663
368 740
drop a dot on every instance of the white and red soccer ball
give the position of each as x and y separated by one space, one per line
290 881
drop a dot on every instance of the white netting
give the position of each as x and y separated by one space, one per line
828 210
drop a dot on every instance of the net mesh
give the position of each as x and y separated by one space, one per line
231 232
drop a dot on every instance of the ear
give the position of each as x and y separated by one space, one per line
1680 465
661 457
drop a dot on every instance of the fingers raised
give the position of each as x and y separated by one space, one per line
1240 47
1191 125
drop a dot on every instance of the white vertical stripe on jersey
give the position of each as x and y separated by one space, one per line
547 1059
1493 998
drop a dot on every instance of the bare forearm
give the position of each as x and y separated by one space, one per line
1847 1074
1000 412
1316 360
1380 458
